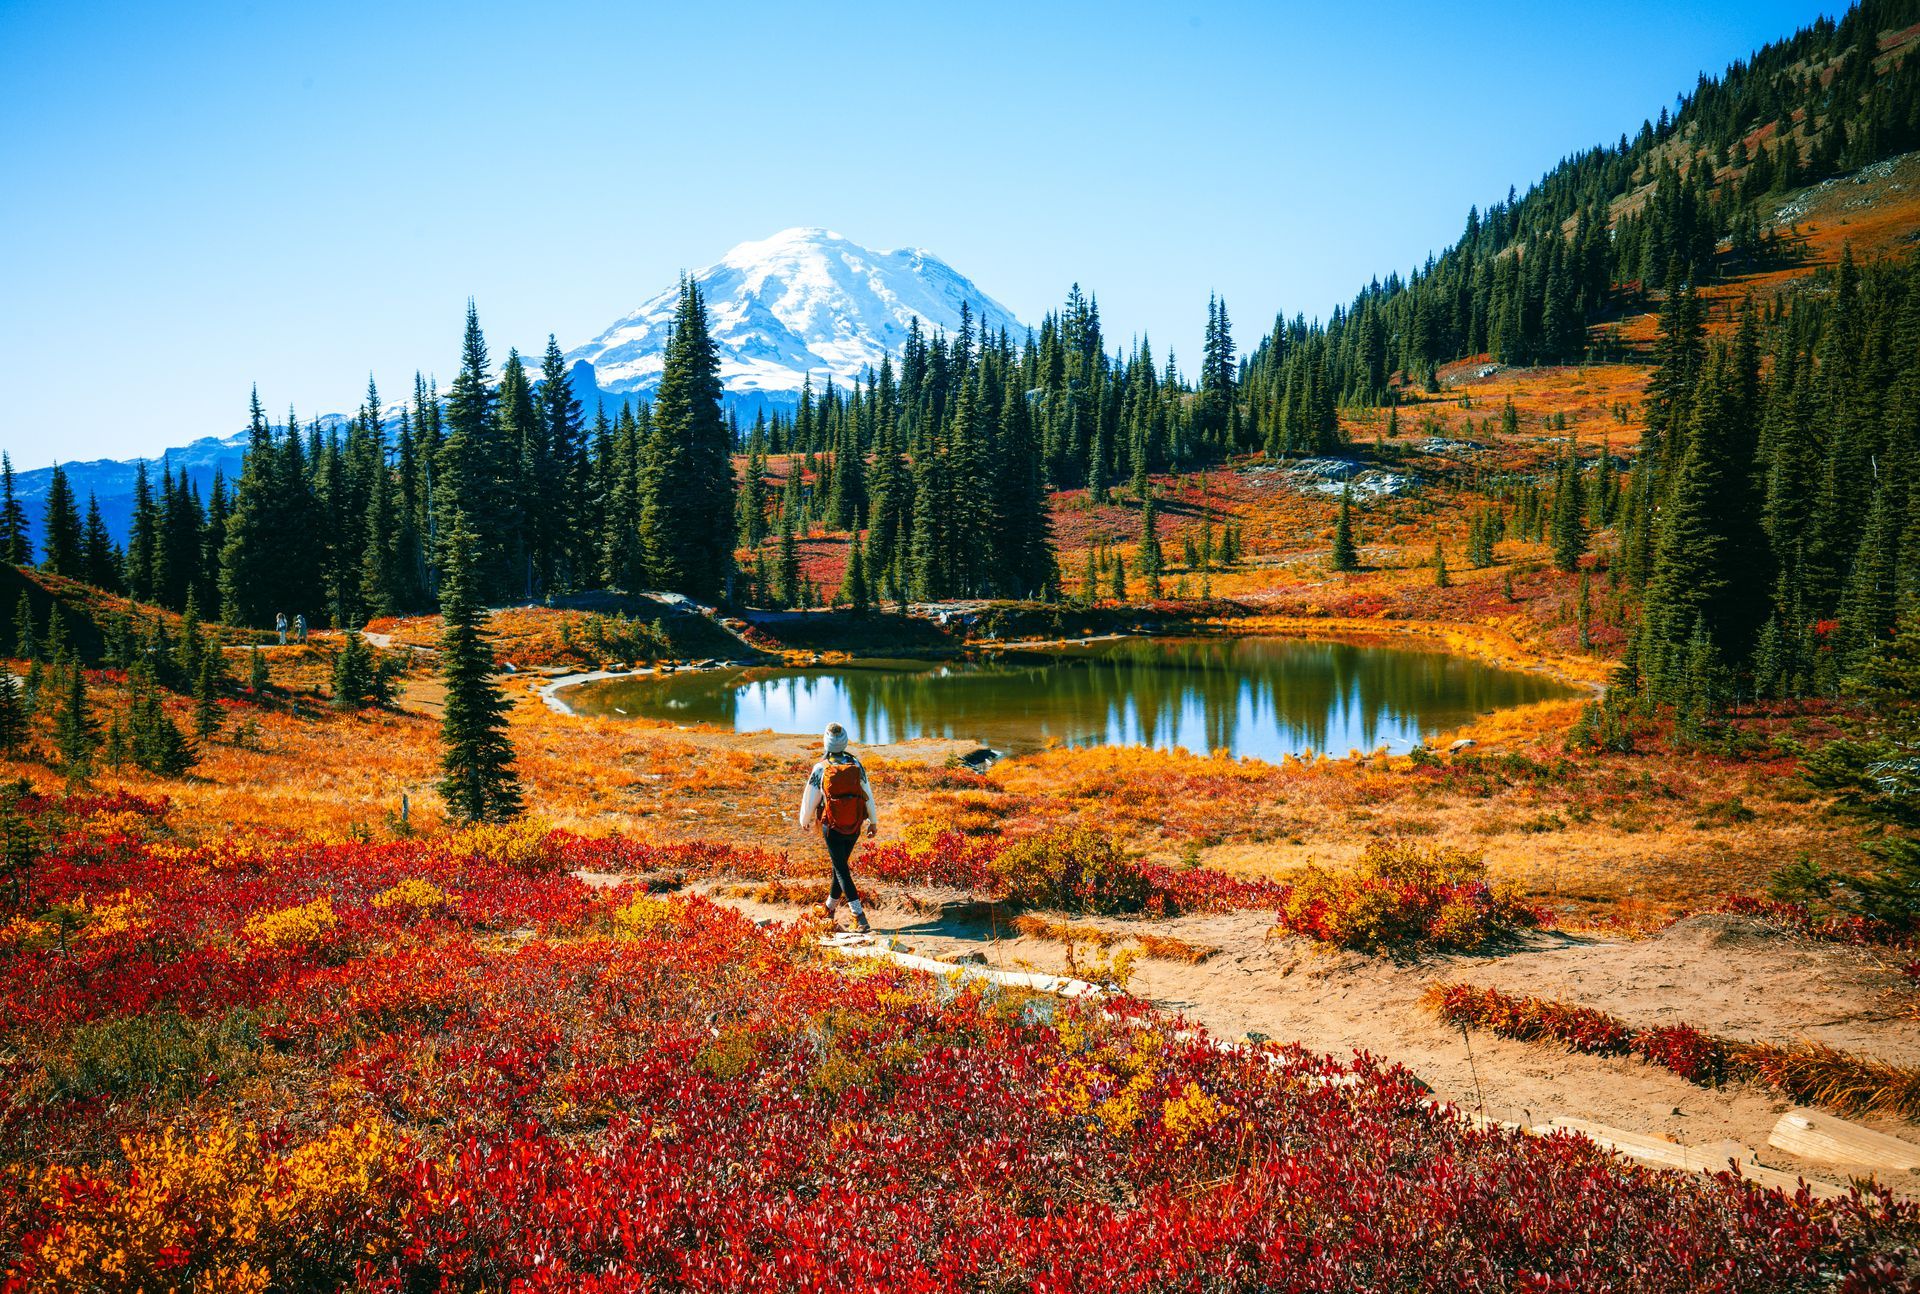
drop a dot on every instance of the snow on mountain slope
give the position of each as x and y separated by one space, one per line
805 301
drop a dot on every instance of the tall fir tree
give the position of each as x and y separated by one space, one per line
687 516
478 782
16 541
62 549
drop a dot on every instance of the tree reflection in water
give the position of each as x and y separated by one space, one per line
1265 697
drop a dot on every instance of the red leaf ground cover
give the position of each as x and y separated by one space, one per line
456 1066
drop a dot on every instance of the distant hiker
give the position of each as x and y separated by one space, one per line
300 626
280 623
840 800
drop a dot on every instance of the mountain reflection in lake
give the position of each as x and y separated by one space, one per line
1265 697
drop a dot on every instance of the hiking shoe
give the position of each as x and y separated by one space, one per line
861 926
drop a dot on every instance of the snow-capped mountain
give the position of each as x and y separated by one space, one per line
803 302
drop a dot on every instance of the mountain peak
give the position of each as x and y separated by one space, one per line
804 302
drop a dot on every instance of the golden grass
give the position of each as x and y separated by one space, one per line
1160 947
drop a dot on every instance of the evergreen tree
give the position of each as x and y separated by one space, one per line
355 678
76 735
26 636
859 595
1346 557
208 683
687 519
1441 578
16 542
1149 559
100 561
155 741
567 556
63 549
1710 569
474 467
478 783
786 576
144 537
1569 515
13 714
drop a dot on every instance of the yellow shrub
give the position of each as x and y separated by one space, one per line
922 834
420 895
292 927
521 844
644 916
235 1212
1190 1112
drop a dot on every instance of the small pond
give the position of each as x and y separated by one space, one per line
1267 697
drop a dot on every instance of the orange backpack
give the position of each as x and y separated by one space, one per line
846 798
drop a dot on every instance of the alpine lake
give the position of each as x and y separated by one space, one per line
1264 697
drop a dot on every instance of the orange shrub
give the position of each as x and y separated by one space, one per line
1404 897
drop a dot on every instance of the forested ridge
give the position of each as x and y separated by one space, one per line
1767 518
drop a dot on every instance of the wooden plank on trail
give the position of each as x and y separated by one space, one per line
1707 1157
866 946
1829 1139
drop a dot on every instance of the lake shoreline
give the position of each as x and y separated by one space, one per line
1270 700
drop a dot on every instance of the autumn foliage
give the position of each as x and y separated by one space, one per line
1806 1071
455 1065
1405 897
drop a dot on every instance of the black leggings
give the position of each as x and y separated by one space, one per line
840 849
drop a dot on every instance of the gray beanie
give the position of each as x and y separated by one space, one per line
836 741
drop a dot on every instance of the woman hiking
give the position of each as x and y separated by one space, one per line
840 800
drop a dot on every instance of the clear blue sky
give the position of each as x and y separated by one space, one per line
202 196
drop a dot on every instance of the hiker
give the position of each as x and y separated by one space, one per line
280 623
840 799
300 626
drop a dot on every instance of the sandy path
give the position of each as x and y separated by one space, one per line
1722 974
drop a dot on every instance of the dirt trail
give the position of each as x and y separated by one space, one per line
1721 974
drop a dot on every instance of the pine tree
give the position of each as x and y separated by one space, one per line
258 680
144 536
568 555
1569 516
479 783
26 636
786 572
687 519
354 681
858 593
62 550
76 735
1441 579
1346 557
473 476
208 683
1149 557
1710 569
16 541
382 576
13 714
99 560
155 741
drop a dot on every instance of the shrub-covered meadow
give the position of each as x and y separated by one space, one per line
454 1065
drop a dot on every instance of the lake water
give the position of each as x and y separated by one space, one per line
1260 696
